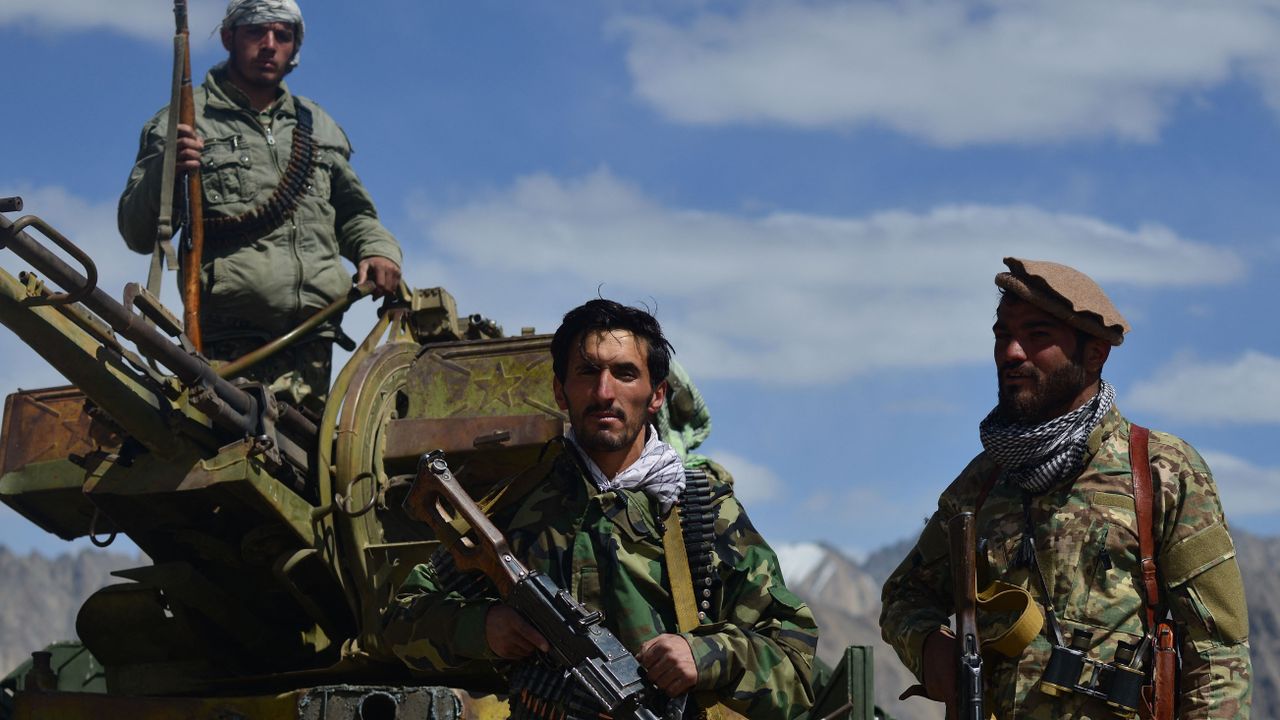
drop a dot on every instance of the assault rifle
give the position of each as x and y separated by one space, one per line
582 646
968 651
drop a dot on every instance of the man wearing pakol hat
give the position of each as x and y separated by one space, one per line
273 246
1059 518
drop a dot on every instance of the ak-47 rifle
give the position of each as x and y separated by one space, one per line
193 225
595 658
968 650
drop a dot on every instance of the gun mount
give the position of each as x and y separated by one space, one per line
276 538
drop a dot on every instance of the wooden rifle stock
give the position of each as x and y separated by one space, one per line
193 227
964 573
437 499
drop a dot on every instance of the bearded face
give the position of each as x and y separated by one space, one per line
1044 367
1040 395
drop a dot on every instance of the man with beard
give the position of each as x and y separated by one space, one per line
594 522
1057 517
274 246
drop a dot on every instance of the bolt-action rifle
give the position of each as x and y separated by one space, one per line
193 225
968 650
595 658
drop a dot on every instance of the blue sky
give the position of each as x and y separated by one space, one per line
813 195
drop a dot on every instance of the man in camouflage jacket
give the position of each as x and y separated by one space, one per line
257 286
594 525
1066 512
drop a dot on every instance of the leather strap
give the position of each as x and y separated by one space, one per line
1143 502
1164 666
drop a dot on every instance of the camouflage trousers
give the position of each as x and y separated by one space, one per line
298 375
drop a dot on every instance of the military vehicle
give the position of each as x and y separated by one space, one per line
275 538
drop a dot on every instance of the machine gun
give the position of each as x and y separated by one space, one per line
586 650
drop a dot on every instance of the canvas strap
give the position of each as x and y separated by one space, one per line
684 597
163 253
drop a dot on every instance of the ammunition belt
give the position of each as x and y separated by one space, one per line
470 585
541 692
698 521
284 200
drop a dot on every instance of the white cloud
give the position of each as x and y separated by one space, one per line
752 482
953 73
786 297
1245 488
1245 390
143 19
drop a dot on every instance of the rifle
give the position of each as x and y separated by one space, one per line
193 227
964 572
595 658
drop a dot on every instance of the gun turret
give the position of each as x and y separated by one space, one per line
276 540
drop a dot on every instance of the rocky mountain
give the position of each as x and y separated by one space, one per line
40 596
845 598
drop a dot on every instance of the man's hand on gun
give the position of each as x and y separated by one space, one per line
940 668
384 273
668 662
189 147
510 636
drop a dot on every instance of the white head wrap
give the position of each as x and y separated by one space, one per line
261 12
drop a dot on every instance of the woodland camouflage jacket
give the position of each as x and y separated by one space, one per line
263 286
1087 545
606 549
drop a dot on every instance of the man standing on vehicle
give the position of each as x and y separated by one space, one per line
1059 516
273 251
595 521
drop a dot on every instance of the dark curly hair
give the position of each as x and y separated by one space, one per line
601 314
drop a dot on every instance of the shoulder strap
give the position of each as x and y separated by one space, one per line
687 542
697 497
1144 504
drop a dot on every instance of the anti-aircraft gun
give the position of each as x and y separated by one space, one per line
276 538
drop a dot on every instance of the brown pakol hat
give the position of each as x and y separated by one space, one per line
1067 294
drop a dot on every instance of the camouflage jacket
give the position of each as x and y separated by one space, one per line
606 550
264 286
1087 547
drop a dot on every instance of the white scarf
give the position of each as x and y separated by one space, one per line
658 473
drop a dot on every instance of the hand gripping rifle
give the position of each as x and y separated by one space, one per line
582 646
193 225
968 649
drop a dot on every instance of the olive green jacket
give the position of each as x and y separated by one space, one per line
1086 542
606 550
262 287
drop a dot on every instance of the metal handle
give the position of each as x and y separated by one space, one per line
90 270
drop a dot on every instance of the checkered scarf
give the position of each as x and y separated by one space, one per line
659 473
1035 457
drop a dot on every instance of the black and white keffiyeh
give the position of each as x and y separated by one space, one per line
1035 457
658 473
